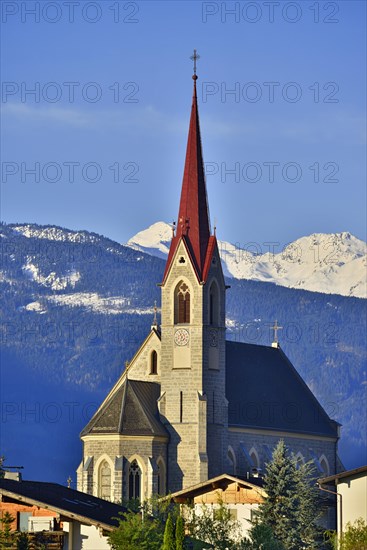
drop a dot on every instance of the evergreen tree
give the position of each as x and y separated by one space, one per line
7 535
169 542
290 508
180 533
23 542
261 536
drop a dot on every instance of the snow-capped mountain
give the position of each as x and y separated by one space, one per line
329 263
76 305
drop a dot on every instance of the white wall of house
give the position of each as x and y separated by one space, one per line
84 537
354 499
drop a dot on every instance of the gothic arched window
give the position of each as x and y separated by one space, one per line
232 461
153 362
213 305
324 465
299 460
182 303
134 480
255 459
105 480
161 477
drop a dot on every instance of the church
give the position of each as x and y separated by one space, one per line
191 405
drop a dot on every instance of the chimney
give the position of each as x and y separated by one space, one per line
15 476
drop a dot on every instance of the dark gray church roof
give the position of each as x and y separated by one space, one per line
131 410
265 391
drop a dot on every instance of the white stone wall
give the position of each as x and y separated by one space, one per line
354 499
84 537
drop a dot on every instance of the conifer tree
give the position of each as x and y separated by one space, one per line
180 533
290 508
7 535
169 535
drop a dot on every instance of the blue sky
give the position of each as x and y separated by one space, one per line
131 76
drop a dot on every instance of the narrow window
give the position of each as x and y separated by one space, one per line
232 461
154 362
324 465
134 480
182 303
213 403
105 481
213 304
181 406
161 477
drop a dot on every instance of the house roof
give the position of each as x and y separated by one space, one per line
265 391
131 410
69 503
343 475
219 482
193 223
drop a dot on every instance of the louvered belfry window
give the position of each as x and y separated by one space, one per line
183 303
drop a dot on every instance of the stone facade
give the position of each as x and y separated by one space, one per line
134 446
193 382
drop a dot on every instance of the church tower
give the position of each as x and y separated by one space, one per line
193 404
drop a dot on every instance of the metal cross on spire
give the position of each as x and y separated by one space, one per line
275 328
194 58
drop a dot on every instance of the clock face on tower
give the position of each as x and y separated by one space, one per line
182 337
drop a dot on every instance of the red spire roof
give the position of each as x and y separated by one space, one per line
193 218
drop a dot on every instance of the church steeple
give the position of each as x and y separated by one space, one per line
193 223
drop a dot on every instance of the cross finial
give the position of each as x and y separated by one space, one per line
155 323
69 480
194 58
275 328
173 227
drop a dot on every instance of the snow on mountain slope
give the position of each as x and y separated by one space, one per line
155 240
52 280
328 263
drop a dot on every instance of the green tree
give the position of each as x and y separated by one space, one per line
143 529
7 535
23 542
261 537
180 533
290 507
354 537
169 542
136 533
214 526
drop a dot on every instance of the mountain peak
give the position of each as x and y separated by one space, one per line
331 263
